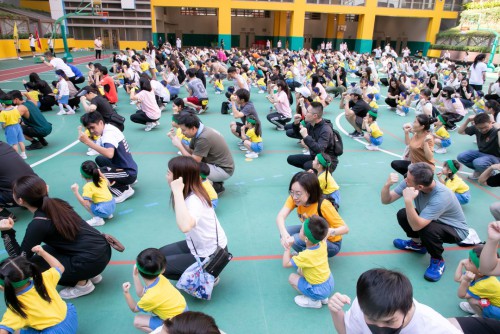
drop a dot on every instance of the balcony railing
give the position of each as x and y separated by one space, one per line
338 2
407 4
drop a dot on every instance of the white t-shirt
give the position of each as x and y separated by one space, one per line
495 89
59 64
160 90
63 88
32 41
97 44
476 73
203 234
425 320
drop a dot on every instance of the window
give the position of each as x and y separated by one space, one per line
251 13
351 18
312 16
193 11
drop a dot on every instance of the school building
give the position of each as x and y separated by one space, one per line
362 24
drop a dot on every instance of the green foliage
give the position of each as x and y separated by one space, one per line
482 5
481 49
10 36
470 33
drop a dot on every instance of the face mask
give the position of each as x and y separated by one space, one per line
384 330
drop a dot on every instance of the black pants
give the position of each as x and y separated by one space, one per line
31 132
391 102
432 236
452 119
290 133
98 54
77 81
492 97
477 88
46 102
473 325
119 176
304 161
278 119
467 103
400 166
140 117
75 269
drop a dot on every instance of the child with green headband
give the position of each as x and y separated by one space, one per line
314 278
454 182
96 197
204 172
322 163
10 119
158 296
251 134
373 135
482 292
441 135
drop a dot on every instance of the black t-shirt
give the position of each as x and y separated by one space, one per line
360 108
486 143
103 107
12 167
342 76
200 75
493 181
439 86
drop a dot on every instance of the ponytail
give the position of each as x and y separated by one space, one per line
38 282
89 170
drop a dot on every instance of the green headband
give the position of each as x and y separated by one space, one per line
322 161
16 285
203 176
441 119
84 174
474 258
308 234
451 165
145 272
373 113
6 102
251 121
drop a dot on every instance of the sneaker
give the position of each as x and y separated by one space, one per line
304 301
96 279
110 217
252 155
324 301
23 155
43 141
280 128
77 290
465 306
435 270
217 93
241 143
133 102
19 58
474 176
356 134
453 128
162 108
306 151
219 187
371 147
155 124
149 126
216 281
35 145
261 92
96 221
126 194
179 153
242 148
61 112
92 152
440 150
409 245
70 112
400 113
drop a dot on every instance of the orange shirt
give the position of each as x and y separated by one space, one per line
111 95
417 153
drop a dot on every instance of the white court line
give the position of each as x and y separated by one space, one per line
54 154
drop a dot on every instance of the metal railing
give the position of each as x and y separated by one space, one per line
407 4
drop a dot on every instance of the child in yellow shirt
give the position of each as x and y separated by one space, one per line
10 119
96 197
441 135
32 94
261 84
219 87
322 164
204 172
252 138
454 182
373 135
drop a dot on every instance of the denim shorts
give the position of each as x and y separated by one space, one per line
155 322
214 203
376 141
257 147
336 196
103 209
14 134
492 312
63 99
316 291
68 326
463 198
446 142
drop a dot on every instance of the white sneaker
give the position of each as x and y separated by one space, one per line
162 108
324 301
92 152
252 155
242 148
240 143
465 306
133 102
77 290
216 281
306 151
110 217
70 112
154 124
179 153
217 93
149 126
96 221
261 92
440 150
20 58
61 112
23 155
126 194
96 279
304 301
371 147
400 113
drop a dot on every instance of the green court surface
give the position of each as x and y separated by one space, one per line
254 295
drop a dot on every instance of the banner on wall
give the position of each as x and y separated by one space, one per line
128 4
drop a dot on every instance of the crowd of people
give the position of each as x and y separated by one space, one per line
439 93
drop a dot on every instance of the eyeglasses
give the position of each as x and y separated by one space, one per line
297 194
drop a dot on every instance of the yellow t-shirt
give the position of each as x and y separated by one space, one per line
218 84
253 137
97 194
181 136
457 185
329 187
41 314
314 263
375 130
162 299
488 287
210 189
289 75
10 117
261 82
33 95
144 66
373 105
328 211
443 133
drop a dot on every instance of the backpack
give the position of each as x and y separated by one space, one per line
329 199
338 145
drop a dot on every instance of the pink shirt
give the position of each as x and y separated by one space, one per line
283 105
148 104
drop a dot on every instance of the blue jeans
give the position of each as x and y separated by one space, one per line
477 161
299 245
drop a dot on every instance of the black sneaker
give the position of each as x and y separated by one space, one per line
219 187
357 135
452 128
43 141
6 214
35 145
351 134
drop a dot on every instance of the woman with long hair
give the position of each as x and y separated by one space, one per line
194 215
47 99
281 101
150 112
477 72
82 250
